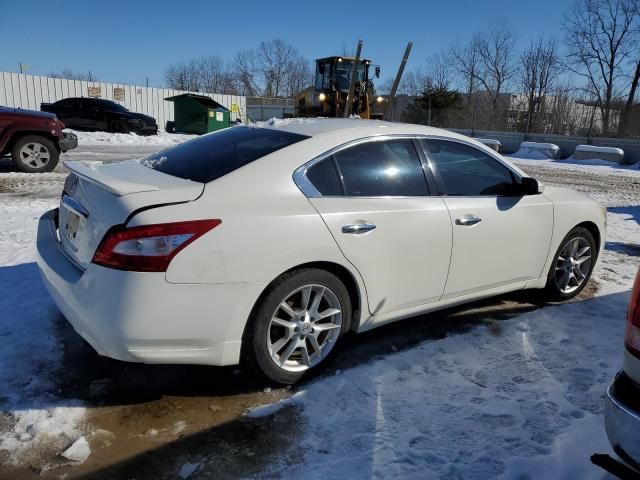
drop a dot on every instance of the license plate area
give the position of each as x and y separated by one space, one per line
68 226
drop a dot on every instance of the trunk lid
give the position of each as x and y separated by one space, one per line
97 197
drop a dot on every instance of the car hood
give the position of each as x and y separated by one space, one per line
133 115
26 113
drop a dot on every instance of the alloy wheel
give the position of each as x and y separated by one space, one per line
304 328
573 264
35 155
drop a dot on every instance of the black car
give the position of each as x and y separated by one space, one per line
99 114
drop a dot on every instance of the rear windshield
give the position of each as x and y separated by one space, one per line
212 156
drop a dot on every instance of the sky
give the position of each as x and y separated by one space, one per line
130 41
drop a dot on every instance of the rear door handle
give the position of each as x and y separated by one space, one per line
358 228
468 220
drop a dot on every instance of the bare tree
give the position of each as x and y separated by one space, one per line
246 71
439 71
539 69
275 59
413 83
215 76
599 37
274 69
466 62
300 76
71 75
183 76
496 49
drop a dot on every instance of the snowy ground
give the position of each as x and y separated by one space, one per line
509 396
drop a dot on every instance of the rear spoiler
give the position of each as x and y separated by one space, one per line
111 184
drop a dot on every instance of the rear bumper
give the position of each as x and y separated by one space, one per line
140 317
622 418
68 142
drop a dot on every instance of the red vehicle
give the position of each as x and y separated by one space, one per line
622 408
34 139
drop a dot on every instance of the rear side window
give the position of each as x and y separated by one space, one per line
212 156
383 168
324 177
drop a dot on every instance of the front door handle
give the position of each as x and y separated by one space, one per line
358 228
468 220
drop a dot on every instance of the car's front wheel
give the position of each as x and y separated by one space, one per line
297 324
572 265
35 154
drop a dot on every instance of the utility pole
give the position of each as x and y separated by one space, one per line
396 82
352 85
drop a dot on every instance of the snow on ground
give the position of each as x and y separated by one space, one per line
31 418
612 186
162 139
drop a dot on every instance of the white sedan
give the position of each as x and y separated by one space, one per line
267 244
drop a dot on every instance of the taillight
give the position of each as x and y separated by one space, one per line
632 330
148 248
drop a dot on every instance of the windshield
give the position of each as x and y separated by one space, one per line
343 74
214 155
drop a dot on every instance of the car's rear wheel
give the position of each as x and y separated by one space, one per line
297 324
572 265
35 154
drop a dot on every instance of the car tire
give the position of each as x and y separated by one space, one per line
276 349
572 265
35 154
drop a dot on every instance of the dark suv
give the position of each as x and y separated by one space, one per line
34 139
98 114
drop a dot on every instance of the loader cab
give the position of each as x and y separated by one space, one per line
334 73
327 97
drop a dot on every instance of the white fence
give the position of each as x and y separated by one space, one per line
28 91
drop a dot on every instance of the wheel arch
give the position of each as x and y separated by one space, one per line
349 280
594 230
18 134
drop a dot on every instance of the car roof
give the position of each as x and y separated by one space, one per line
312 127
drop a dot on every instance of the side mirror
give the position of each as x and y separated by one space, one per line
377 71
530 186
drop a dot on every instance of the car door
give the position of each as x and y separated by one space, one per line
63 111
90 112
500 237
374 199
75 113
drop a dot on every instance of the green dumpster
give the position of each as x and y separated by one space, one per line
197 114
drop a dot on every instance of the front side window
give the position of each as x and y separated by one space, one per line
382 168
465 170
